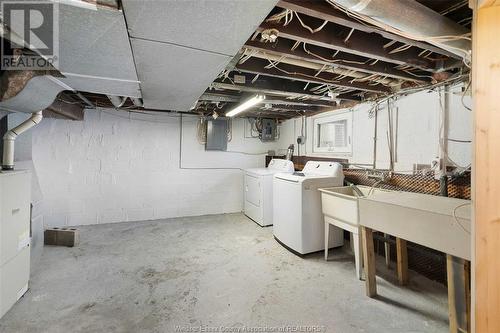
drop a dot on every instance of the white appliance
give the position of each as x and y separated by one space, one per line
15 198
297 214
259 190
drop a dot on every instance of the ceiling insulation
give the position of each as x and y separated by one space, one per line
95 52
177 84
38 94
416 21
316 51
94 56
180 46
306 56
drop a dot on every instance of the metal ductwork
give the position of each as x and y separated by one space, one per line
137 102
10 137
37 94
117 101
415 21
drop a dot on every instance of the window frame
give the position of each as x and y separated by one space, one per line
347 116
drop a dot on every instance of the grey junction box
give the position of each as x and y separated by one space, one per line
217 134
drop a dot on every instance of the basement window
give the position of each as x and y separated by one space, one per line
332 134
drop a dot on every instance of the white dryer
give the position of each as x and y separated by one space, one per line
259 190
297 214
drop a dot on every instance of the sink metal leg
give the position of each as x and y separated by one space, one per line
387 252
358 251
327 238
369 261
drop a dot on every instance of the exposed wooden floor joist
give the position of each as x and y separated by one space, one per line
272 86
358 44
286 71
310 52
325 11
342 60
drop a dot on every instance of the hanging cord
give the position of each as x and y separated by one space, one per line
308 27
465 92
456 217
441 140
349 35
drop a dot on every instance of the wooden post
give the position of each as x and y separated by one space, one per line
486 166
458 294
402 261
369 260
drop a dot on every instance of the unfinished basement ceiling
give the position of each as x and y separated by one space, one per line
305 56
181 46
326 57
95 52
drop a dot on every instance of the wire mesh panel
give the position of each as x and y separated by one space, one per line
457 187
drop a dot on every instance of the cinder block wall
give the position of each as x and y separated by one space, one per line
115 166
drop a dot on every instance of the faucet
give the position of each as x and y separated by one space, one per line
378 182
356 190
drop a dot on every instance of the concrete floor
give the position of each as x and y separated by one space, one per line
220 272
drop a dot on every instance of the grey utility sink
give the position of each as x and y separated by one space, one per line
340 206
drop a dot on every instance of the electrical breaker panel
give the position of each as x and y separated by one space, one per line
268 130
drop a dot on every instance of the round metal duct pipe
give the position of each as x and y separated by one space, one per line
10 137
415 21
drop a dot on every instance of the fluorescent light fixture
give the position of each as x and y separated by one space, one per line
246 105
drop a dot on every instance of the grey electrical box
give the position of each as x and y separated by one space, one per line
216 134
268 130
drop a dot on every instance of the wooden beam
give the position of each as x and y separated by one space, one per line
275 87
325 11
268 113
267 106
350 61
317 103
369 261
486 177
488 3
293 108
357 96
343 105
291 72
221 96
254 111
359 43
402 261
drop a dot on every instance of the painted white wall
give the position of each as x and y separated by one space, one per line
115 167
417 131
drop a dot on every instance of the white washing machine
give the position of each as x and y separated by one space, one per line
259 190
297 215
